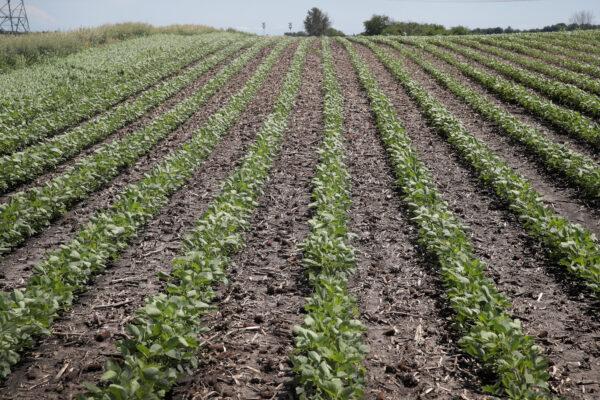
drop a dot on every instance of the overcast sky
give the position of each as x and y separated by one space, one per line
347 15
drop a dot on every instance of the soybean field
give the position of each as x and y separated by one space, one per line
226 216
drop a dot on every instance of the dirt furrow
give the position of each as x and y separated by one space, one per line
412 353
556 192
136 125
563 323
15 268
85 336
544 127
251 335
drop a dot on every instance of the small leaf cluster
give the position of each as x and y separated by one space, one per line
488 331
581 171
47 99
570 121
329 348
30 211
562 93
63 274
163 339
572 246
25 165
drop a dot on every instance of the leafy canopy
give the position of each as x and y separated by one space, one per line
316 23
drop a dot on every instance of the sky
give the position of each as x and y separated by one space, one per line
347 15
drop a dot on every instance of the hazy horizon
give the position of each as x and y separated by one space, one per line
347 16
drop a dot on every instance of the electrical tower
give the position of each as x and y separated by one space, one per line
13 17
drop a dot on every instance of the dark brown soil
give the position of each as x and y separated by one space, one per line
251 339
564 324
87 334
554 133
16 267
412 354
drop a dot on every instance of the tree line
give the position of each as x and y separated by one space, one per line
384 25
318 23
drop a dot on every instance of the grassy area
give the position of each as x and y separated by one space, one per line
24 50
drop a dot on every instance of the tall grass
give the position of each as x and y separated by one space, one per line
18 51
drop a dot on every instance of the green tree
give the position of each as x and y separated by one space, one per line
459 30
377 24
334 32
316 22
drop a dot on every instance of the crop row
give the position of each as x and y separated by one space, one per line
488 331
28 164
582 81
98 94
329 348
561 93
519 47
579 170
575 46
46 87
163 341
570 245
26 314
30 211
576 43
587 36
575 59
570 121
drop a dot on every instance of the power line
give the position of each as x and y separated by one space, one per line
13 17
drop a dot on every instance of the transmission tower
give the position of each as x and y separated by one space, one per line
13 17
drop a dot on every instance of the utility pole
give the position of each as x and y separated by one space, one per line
264 26
14 16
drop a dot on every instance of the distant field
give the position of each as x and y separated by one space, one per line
232 216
